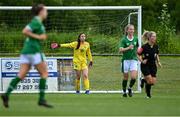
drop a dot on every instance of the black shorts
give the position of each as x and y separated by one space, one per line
149 69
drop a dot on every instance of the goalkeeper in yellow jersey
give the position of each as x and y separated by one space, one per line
81 52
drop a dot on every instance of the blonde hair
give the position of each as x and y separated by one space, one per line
126 28
147 34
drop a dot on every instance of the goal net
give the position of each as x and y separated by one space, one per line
104 26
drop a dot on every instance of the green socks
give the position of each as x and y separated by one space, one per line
42 86
124 84
132 82
15 81
12 85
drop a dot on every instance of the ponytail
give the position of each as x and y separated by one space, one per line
147 34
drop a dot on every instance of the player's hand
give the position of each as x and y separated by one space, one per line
42 37
90 64
144 61
54 45
159 64
131 47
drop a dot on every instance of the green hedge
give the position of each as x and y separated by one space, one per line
12 42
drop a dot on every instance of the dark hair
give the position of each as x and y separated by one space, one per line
36 8
79 41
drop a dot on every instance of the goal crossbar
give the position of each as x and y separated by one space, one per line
74 7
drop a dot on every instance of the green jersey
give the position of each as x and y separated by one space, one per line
129 54
31 45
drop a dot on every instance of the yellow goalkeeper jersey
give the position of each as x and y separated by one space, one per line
81 54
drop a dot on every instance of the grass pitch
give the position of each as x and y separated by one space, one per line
165 100
94 104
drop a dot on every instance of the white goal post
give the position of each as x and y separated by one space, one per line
138 11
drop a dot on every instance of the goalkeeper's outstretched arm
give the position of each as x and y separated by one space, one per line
67 45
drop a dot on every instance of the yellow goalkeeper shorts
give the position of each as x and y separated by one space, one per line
80 66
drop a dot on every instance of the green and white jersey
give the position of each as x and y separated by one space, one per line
31 45
129 54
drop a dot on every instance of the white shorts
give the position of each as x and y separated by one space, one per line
129 65
32 59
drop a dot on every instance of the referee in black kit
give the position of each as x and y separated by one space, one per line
149 58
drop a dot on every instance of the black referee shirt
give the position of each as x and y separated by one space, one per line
150 53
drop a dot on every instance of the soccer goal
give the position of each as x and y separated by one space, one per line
104 26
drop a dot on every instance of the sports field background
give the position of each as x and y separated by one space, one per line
104 30
165 100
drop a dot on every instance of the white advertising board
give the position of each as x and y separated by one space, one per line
10 68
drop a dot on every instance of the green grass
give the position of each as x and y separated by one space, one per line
106 75
94 104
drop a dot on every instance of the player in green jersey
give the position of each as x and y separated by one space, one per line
31 55
128 47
